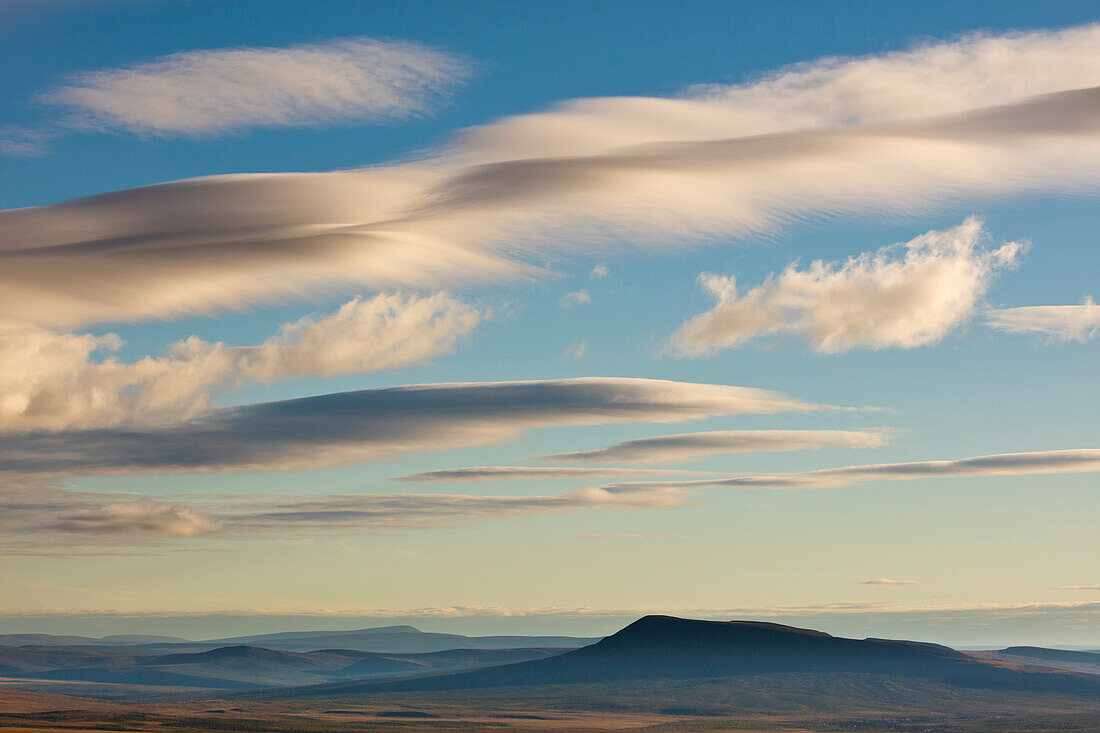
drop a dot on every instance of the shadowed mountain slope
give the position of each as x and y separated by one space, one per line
663 647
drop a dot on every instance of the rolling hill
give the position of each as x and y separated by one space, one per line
240 667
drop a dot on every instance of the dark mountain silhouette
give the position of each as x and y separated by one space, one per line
664 647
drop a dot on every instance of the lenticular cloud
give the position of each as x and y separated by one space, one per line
900 133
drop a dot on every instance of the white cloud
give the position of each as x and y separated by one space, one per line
906 295
1004 464
1061 322
579 297
689 446
599 272
575 350
886 135
50 380
514 473
218 90
374 424
1077 587
890 581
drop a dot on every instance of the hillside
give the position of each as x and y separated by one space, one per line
1073 661
239 667
662 647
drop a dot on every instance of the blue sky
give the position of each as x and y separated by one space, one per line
630 198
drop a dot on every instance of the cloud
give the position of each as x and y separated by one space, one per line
580 297
599 272
905 295
1061 322
513 473
1004 464
22 142
896 134
890 581
689 446
629 536
216 91
1077 587
376 424
575 350
59 518
143 516
424 511
50 380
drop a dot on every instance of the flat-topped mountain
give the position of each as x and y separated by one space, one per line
396 639
664 647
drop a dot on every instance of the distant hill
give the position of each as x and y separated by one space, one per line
239 667
396 639
114 640
1074 661
664 647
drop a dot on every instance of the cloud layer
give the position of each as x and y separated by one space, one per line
375 424
1004 464
1059 322
906 295
214 91
690 446
893 134
514 473
52 518
51 381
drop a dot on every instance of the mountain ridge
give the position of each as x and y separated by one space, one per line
666 647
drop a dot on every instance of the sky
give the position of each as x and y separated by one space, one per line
537 317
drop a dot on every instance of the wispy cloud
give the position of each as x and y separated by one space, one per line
575 350
52 381
23 142
516 473
1077 587
1004 464
890 581
579 297
145 516
689 446
904 296
427 511
377 423
832 137
219 90
78 519
1060 322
